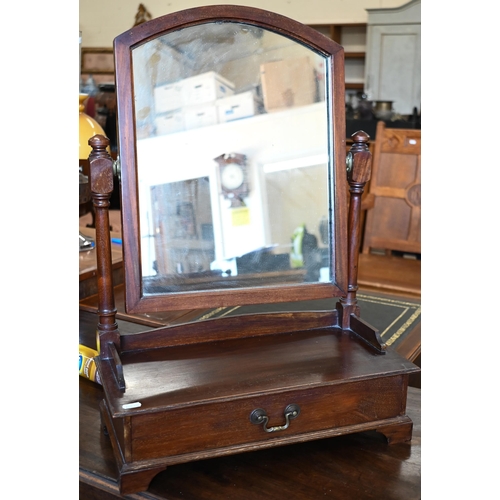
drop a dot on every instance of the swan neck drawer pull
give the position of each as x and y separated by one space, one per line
259 416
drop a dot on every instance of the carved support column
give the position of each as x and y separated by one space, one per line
359 161
101 187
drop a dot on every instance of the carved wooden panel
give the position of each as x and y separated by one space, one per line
393 222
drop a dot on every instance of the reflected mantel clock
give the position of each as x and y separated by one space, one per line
284 372
233 177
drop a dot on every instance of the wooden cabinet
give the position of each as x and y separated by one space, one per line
392 69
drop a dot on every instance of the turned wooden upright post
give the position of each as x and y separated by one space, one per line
101 187
359 160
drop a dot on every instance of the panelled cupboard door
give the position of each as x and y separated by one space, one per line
393 66
393 69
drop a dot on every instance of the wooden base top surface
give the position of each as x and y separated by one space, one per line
182 376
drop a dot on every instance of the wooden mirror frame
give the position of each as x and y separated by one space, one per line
135 300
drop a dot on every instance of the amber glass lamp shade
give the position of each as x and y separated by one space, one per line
88 127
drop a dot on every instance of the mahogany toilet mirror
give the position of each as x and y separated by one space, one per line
234 183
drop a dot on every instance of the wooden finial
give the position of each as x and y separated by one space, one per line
361 159
98 143
101 166
360 137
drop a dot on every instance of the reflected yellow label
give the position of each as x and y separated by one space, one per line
240 216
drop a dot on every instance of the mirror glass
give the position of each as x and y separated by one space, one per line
233 160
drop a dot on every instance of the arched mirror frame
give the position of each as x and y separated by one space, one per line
124 44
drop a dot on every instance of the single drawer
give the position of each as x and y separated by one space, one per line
215 425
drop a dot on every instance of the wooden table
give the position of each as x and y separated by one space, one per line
88 264
356 467
390 274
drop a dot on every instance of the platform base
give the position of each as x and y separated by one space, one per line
200 401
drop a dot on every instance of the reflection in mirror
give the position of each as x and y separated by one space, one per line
233 159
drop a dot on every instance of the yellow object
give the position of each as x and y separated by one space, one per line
296 255
88 127
87 366
240 216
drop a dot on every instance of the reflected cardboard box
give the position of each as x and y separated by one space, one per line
288 83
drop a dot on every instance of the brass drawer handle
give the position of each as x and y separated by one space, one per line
259 416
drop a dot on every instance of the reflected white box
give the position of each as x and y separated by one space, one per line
204 88
168 97
200 116
168 123
237 106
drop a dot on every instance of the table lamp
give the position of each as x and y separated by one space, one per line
88 127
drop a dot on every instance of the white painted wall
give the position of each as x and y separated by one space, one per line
102 20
